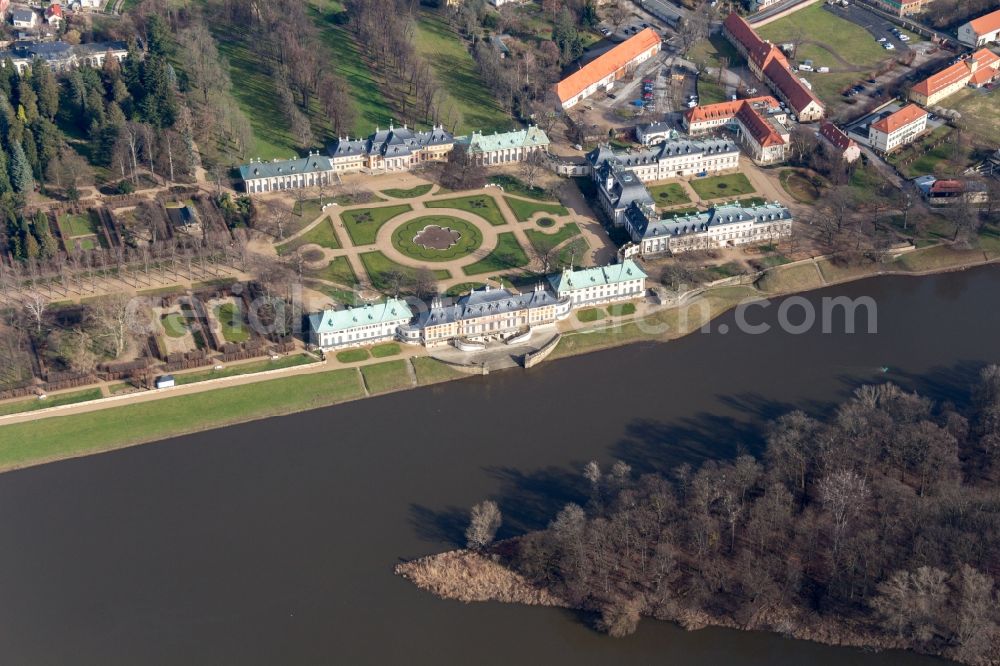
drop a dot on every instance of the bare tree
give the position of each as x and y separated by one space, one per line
118 318
484 521
35 306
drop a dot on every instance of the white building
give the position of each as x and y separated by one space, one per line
393 149
759 124
722 226
980 31
311 171
897 129
506 147
672 159
601 284
647 135
355 327
61 56
26 19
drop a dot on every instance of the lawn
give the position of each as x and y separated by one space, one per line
716 187
433 371
338 294
174 325
34 404
386 350
388 376
710 91
669 194
716 51
463 288
63 436
802 277
514 185
523 210
381 269
980 111
233 329
800 186
79 231
507 255
322 234
478 204
543 242
572 253
470 238
468 105
946 159
413 192
363 225
621 309
243 369
590 315
338 270
353 355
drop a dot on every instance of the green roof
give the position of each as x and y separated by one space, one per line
329 321
486 143
589 277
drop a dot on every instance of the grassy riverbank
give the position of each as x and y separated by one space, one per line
54 437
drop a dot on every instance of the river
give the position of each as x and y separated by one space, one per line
274 542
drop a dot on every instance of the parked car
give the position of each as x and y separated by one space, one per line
903 38
612 96
888 47
883 40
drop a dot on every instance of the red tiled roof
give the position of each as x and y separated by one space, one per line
986 23
947 186
606 64
726 109
743 33
986 58
943 79
836 136
54 10
908 114
761 130
796 92
983 75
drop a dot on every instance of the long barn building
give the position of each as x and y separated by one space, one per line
602 72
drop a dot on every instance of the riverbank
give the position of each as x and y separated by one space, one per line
468 576
85 429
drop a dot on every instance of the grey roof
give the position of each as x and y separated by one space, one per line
310 164
665 149
625 189
392 142
481 303
22 15
647 225
59 50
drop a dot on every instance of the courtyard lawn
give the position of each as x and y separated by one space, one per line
980 111
233 328
353 355
715 187
322 234
363 225
34 404
463 288
716 51
523 210
544 243
386 350
388 376
590 315
572 253
507 255
669 194
174 325
382 270
800 185
338 270
243 369
514 185
482 205
403 238
57 437
412 193
621 309
829 32
710 91
469 106
433 371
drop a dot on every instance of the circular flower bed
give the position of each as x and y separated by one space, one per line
546 222
437 238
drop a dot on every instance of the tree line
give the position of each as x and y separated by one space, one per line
879 525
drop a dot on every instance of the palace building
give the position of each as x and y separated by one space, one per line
278 175
61 56
506 147
722 226
485 315
672 159
759 124
600 284
354 327
393 149
617 189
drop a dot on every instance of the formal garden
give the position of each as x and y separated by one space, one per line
363 225
437 238
482 205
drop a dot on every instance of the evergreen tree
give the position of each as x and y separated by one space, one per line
31 153
43 82
4 176
27 100
20 170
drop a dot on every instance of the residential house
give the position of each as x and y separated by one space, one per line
838 141
767 62
975 70
949 191
54 15
310 171
26 19
355 327
392 149
505 147
897 129
980 31
727 225
484 315
602 72
654 133
672 159
600 284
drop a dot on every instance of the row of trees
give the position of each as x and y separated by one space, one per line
880 524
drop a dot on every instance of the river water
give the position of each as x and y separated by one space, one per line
274 542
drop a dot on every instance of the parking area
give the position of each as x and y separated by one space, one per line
879 28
